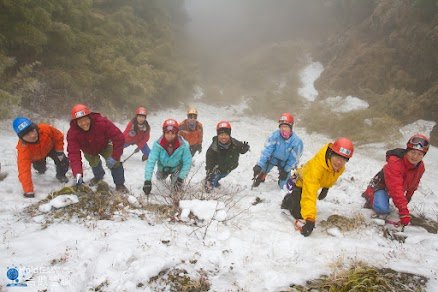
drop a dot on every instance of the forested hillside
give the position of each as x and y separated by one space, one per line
108 53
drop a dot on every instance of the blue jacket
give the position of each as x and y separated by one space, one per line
180 159
284 153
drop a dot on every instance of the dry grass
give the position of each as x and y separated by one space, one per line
178 280
344 223
365 278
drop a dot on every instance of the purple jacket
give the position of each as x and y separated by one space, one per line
102 132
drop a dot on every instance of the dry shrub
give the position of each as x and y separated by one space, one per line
365 278
344 223
178 280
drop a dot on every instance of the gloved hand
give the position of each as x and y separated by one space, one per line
323 194
283 174
245 147
29 195
79 179
307 228
178 184
147 187
405 217
111 162
257 170
137 150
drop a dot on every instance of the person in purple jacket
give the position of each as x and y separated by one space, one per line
95 136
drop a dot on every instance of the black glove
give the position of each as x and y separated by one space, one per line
307 228
283 175
257 170
323 194
245 147
178 184
147 187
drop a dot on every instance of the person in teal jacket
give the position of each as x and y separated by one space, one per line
172 155
282 149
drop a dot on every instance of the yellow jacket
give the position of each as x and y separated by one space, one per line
315 174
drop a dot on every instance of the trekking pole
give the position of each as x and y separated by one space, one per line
124 160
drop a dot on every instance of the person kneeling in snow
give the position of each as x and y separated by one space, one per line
96 136
36 143
172 155
138 132
282 149
222 155
191 130
322 171
398 179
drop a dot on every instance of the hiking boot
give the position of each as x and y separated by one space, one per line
144 158
29 195
122 189
62 178
94 181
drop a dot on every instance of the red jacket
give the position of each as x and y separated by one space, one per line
400 178
139 137
102 132
49 138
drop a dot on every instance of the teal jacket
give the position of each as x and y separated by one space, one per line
181 159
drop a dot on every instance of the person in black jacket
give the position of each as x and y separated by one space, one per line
222 155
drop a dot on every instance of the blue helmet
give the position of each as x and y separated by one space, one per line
21 125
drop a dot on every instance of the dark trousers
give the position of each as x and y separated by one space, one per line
292 201
61 165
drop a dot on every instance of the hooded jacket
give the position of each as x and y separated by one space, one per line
194 137
181 159
49 138
102 132
287 151
139 137
225 160
317 173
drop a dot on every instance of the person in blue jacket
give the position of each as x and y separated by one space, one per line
282 149
172 155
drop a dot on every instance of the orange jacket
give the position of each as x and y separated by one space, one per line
49 138
194 137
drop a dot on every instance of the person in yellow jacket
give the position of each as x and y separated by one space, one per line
320 172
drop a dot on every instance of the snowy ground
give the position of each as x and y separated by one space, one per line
256 251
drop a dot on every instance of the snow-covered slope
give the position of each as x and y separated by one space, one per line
259 250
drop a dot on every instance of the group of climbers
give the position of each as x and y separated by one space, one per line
96 136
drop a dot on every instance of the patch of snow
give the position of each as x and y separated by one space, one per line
59 202
420 126
341 104
308 76
204 210
199 93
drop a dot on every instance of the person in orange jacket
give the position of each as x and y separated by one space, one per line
191 130
36 143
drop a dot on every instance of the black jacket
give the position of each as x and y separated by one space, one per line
223 160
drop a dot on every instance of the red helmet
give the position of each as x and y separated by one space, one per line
418 142
343 147
79 111
223 127
286 119
170 125
141 111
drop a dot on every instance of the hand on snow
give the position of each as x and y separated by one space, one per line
147 187
307 228
323 194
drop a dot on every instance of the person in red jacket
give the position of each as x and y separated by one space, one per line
95 136
137 132
398 179
36 143
191 130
